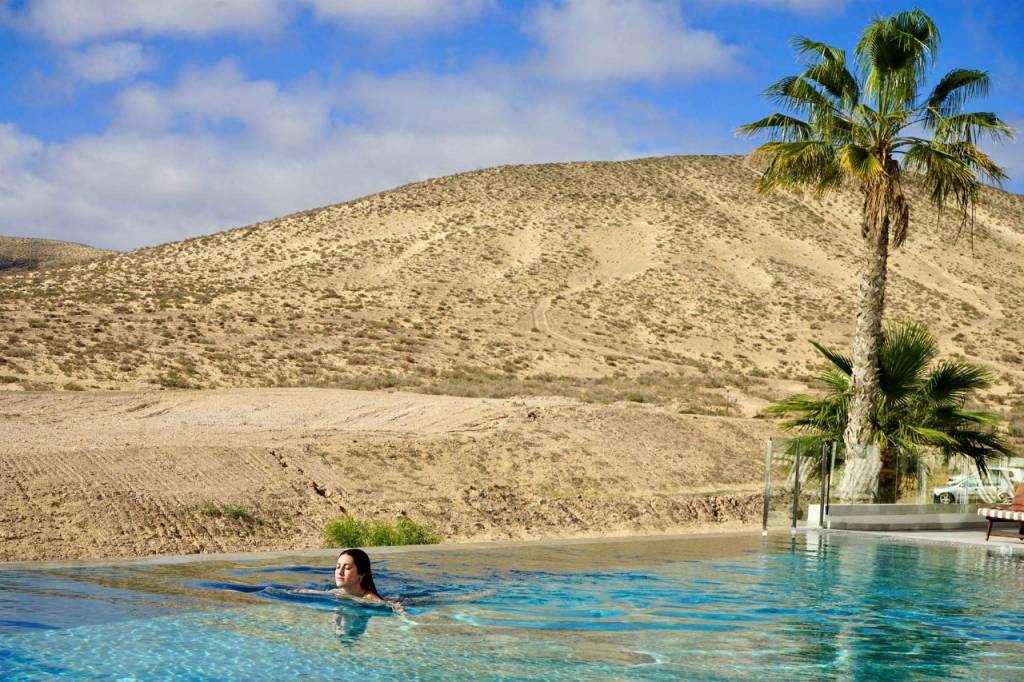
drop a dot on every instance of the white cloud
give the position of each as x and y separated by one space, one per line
77 21
220 100
106 62
15 148
72 22
798 6
625 40
385 16
216 149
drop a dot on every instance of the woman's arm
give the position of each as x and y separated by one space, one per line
396 606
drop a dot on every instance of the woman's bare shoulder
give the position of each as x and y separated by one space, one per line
307 590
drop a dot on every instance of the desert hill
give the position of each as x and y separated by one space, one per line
595 280
612 330
23 253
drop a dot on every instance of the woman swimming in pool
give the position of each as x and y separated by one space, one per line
353 579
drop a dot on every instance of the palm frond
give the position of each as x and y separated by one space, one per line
817 51
839 360
796 403
836 80
893 54
859 162
945 173
933 437
980 163
971 128
954 90
978 445
951 382
953 172
810 163
778 127
976 418
906 351
835 379
796 94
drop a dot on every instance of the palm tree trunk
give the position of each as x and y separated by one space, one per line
862 460
887 491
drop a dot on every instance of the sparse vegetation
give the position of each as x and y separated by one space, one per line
174 379
657 281
348 531
20 254
230 512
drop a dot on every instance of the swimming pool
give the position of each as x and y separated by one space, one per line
822 606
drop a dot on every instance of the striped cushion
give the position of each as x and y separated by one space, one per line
1005 514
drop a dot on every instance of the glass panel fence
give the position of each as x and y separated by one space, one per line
830 482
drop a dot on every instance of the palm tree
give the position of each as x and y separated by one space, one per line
921 406
872 127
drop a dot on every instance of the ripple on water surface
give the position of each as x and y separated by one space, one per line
824 606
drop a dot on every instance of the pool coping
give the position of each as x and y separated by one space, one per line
997 546
156 559
958 538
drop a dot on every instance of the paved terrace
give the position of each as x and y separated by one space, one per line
976 538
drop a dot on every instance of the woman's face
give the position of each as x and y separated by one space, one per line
345 573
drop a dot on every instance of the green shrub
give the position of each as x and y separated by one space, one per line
351 532
72 386
345 532
228 511
174 379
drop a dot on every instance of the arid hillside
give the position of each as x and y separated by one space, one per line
657 280
18 254
95 474
602 336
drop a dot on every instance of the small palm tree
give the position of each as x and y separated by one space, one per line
872 126
921 406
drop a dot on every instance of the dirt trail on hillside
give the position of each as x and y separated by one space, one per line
86 475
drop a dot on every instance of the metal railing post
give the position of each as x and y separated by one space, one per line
896 493
796 490
828 488
821 499
767 488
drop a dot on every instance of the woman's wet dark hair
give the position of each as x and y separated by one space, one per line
362 562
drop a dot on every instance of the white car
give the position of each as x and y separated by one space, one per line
998 487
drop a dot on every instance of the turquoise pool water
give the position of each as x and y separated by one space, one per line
830 606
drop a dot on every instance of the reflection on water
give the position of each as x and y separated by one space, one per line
820 606
350 625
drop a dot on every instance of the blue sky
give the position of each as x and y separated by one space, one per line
136 122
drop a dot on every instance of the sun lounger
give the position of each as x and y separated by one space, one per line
1006 512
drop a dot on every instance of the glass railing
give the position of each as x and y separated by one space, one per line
891 484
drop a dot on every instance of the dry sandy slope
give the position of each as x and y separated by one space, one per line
576 270
120 474
666 281
24 253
